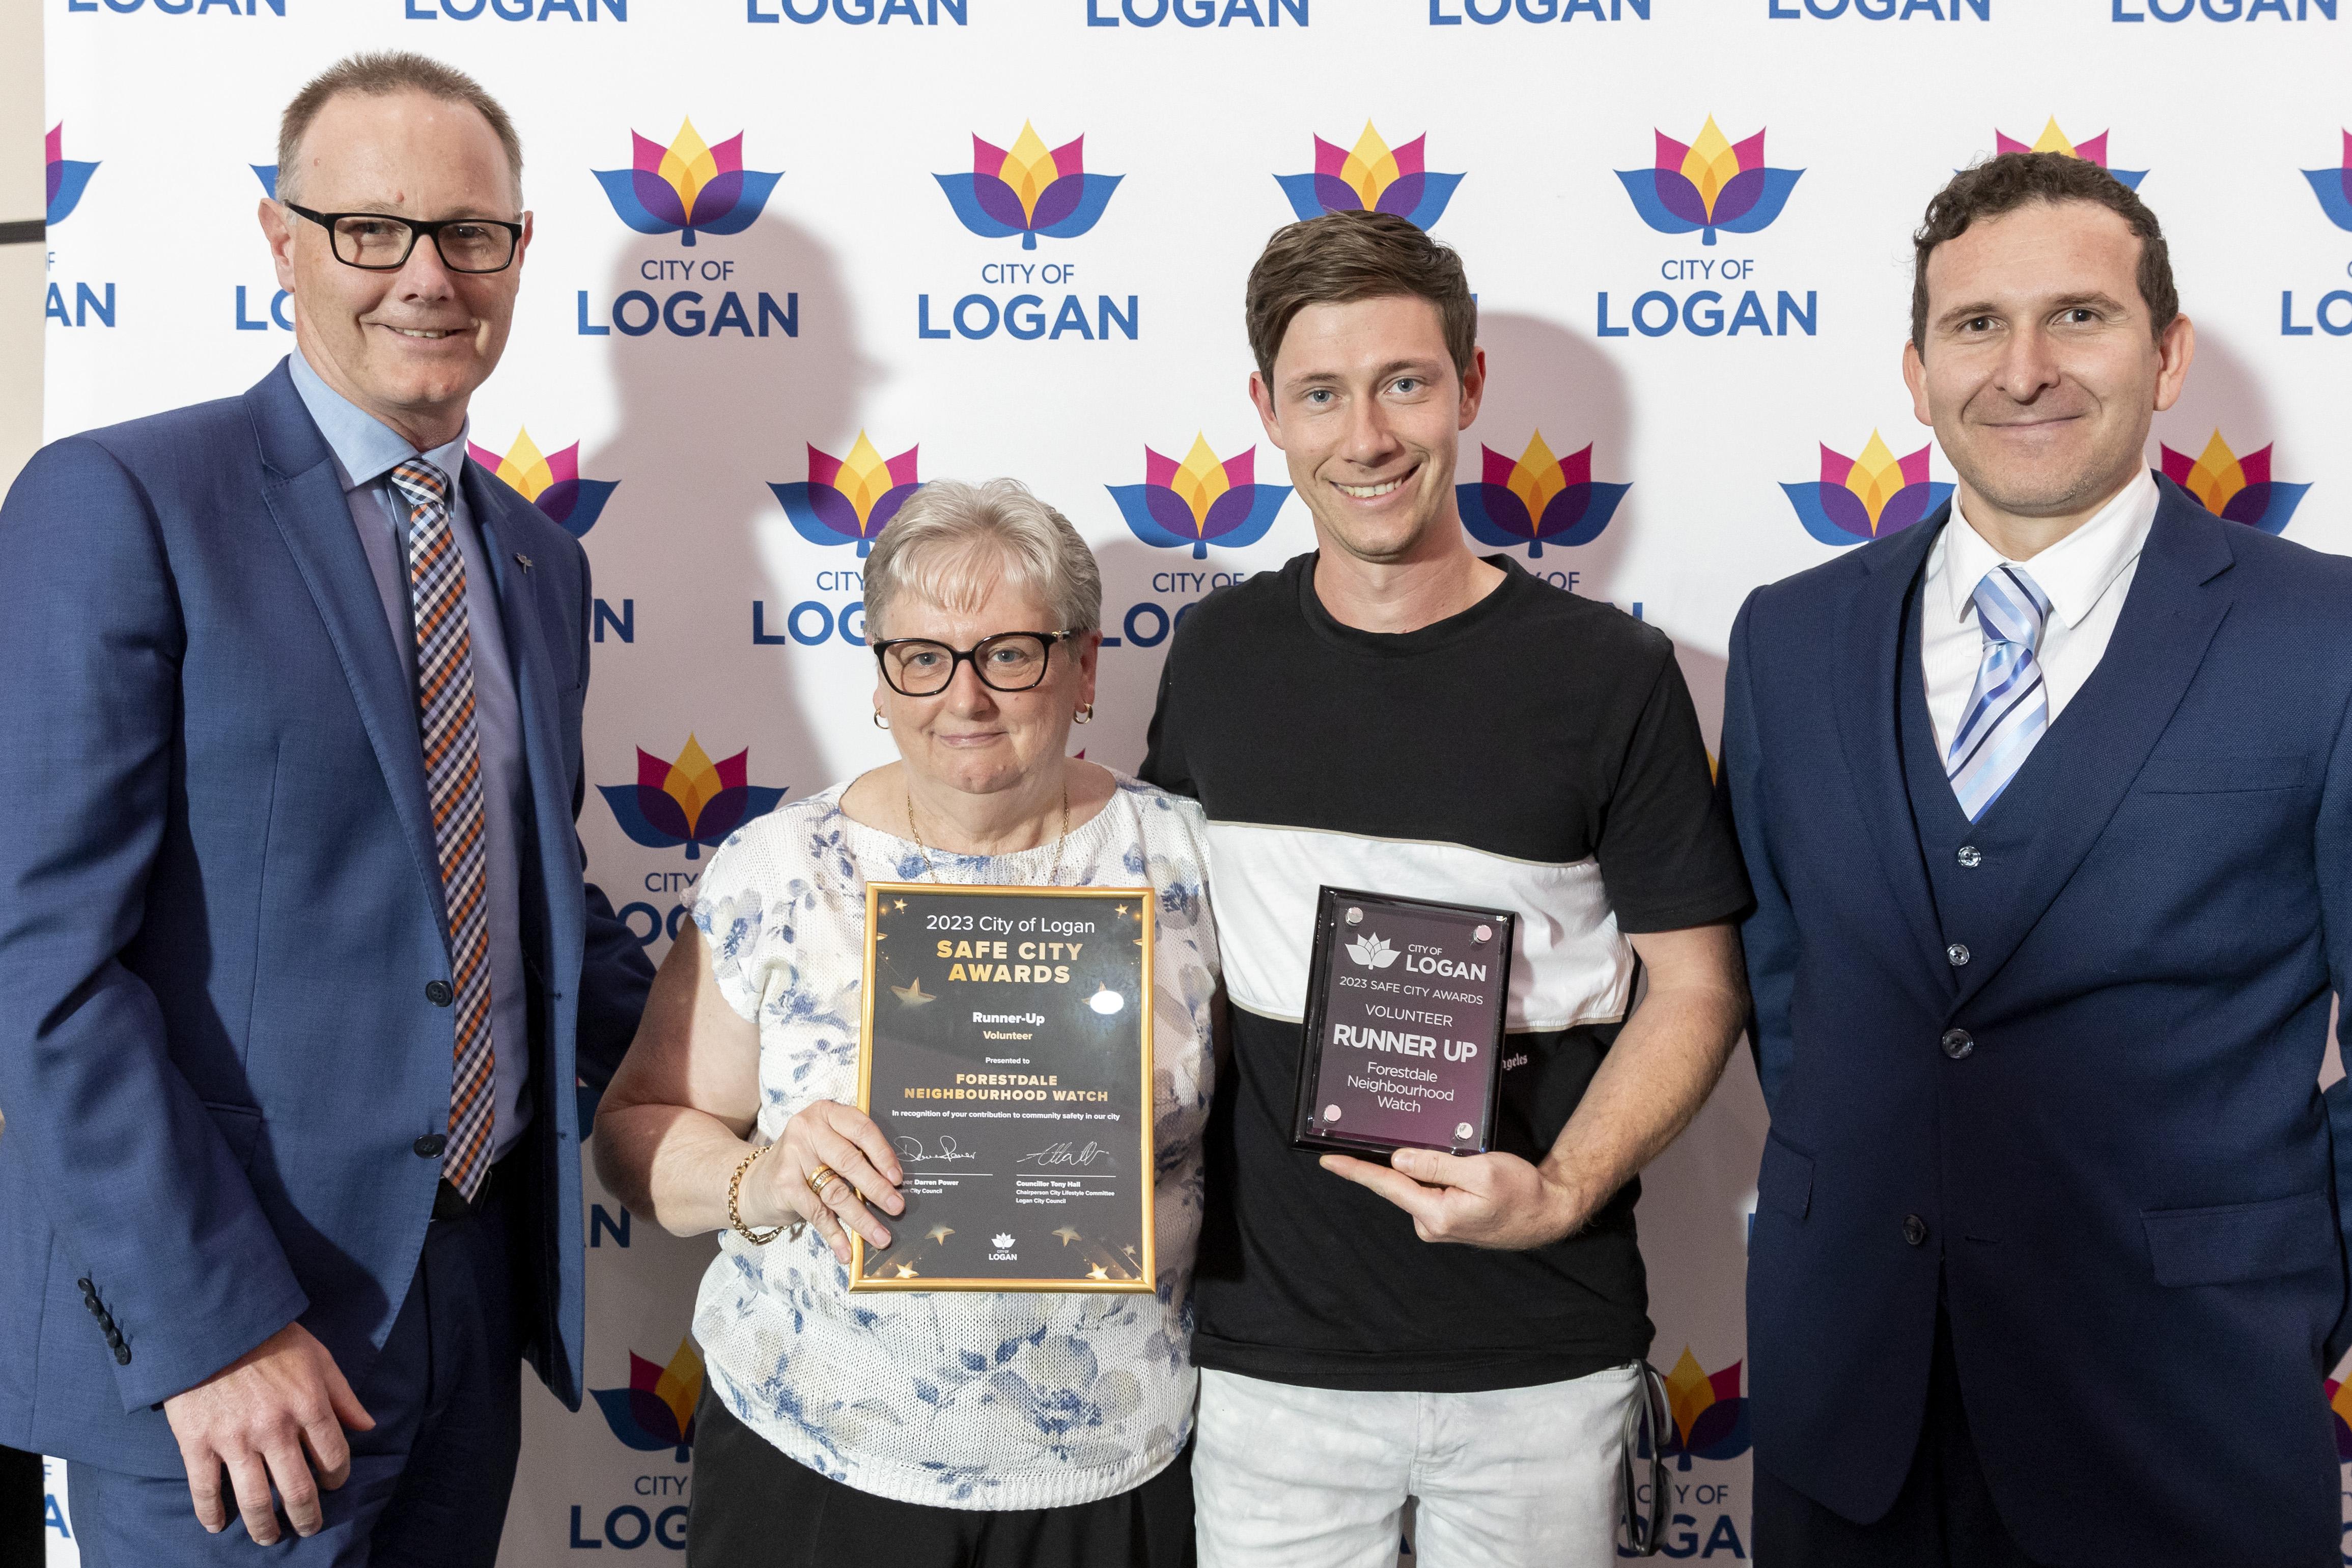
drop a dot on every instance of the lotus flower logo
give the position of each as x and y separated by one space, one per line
67 179
847 500
2093 150
551 483
1711 183
692 801
1372 951
2229 486
1371 177
1202 501
1709 1413
2332 186
1538 499
2339 1406
688 187
657 1410
1861 499
1029 189
1001 1241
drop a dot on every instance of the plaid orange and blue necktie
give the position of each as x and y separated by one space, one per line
453 783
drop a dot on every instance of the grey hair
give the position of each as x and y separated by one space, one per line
379 75
953 543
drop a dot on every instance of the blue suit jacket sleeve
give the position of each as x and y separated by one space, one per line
1769 935
2334 848
143 1191
614 974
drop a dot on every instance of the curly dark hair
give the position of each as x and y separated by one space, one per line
2005 184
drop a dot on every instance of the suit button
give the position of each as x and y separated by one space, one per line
438 992
1957 1044
1971 856
430 1146
122 1355
1956 954
1915 1230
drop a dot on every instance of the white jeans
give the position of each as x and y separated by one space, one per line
1285 1477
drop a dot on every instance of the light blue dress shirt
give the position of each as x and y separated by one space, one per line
366 450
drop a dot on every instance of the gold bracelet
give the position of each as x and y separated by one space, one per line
735 1198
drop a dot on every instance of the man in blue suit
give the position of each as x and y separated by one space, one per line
295 949
2048 805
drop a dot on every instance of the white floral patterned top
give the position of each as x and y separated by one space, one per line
979 1400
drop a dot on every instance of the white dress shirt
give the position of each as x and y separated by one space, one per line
2086 577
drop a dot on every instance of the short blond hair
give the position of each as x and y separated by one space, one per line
953 542
379 74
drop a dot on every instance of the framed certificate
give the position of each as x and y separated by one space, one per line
1403 1040
1007 1056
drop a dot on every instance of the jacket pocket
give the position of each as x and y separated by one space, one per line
240 1126
2234 1243
2221 775
1785 1183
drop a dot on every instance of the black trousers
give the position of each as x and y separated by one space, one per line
1943 1518
755 1508
22 1498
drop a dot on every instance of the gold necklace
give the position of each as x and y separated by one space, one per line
1052 877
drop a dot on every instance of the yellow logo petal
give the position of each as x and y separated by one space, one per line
1711 163
2217 476
692 781
688 166
2053 140
1200 481
1688 1392
1535 477
1370 168
680 1385
865 478
1876 475
525 467
1029 168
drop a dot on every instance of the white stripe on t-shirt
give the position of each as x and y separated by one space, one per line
1570 966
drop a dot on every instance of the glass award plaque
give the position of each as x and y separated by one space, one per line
1403 1040
1007 1056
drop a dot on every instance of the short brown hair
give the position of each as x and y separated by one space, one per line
1343 257
2005 184
379 75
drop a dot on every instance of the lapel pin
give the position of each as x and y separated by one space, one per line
522 561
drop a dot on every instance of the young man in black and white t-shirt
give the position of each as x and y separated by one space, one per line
1395 714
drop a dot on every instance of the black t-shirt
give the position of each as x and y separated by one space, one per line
1538 752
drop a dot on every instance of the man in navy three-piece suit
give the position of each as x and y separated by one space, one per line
2047 802
297 963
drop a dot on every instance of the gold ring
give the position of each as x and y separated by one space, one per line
818 1177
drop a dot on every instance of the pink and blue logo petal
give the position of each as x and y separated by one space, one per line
692 802
2334 188
1861 499
1537 500
551 483
1203 500
1708 185
849 499
688 187
1028 189
1372 176
67 179
2239 490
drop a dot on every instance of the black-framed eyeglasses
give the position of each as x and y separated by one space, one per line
378 242
1009 662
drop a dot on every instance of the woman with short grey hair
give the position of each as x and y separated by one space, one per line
940 1429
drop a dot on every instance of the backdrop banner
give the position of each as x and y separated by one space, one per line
794 257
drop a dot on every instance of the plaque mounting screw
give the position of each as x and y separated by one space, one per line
1330 1113
1482 933
1463 1130
1355 917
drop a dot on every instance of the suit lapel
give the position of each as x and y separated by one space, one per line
2098 746
1868 644
305 497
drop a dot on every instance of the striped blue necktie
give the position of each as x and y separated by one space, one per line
2010 708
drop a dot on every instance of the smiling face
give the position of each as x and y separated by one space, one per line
2042 372
972 738
1368 412
409 346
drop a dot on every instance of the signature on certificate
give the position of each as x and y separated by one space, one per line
1079 1154
912 1151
